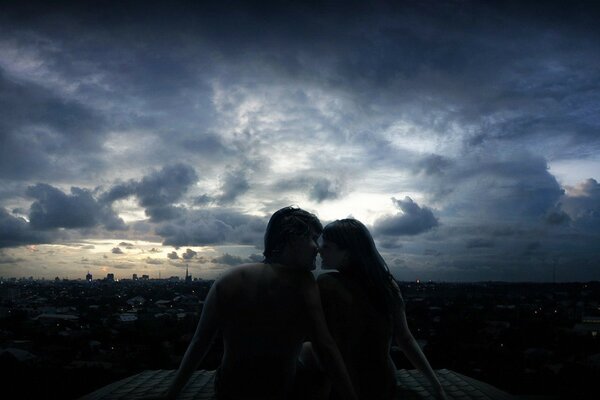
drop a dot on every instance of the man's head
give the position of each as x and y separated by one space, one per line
291 227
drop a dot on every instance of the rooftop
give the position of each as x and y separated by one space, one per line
411 384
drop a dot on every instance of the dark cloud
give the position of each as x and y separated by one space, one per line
582 204
389 242
466 103
498 187
532 248
8 259
203 200
153 261
433 164
209 227
209 145
233 185
173 255
123 266
479 243
432 252
189 254
53 209
318 189
324 189
16 231
229 259
127 245
412 221
117 250
557 217
42 136
157 191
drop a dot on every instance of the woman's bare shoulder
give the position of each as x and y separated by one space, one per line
329 280
333 289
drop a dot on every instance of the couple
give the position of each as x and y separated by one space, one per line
266 311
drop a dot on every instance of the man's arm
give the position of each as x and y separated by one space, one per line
323 343
200 344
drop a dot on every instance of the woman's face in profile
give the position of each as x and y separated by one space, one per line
333 257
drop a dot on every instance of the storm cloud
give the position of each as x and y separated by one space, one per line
157 191
200 228
582 205
16 231
413 219
185 124
54 209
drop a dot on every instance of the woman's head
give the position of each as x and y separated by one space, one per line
351 244
349 247
345 243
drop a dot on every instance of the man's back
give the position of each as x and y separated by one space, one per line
264 319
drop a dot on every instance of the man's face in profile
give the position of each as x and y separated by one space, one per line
305 249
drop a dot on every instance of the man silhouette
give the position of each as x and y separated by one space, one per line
265 311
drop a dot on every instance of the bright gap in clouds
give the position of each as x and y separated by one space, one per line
365 207
573 172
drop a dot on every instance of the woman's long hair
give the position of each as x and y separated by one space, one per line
367 265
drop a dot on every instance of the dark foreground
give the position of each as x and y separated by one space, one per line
64 339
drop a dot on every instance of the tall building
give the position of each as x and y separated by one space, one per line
188 277
135 278
110 277
88 277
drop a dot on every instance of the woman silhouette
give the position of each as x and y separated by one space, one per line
365 311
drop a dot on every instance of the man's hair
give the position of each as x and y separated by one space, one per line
285 224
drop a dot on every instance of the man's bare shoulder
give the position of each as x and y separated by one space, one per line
240 273
246 273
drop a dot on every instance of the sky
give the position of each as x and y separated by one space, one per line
147 137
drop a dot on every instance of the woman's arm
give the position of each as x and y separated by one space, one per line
323 343
200 344
410 347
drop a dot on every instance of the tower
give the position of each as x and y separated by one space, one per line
188 277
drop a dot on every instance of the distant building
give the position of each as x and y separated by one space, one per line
88 277
145 277
188 277
110 277
135 277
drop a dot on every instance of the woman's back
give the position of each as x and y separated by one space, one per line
363 333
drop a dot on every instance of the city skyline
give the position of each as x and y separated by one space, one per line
465 135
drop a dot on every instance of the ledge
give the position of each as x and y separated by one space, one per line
411 386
